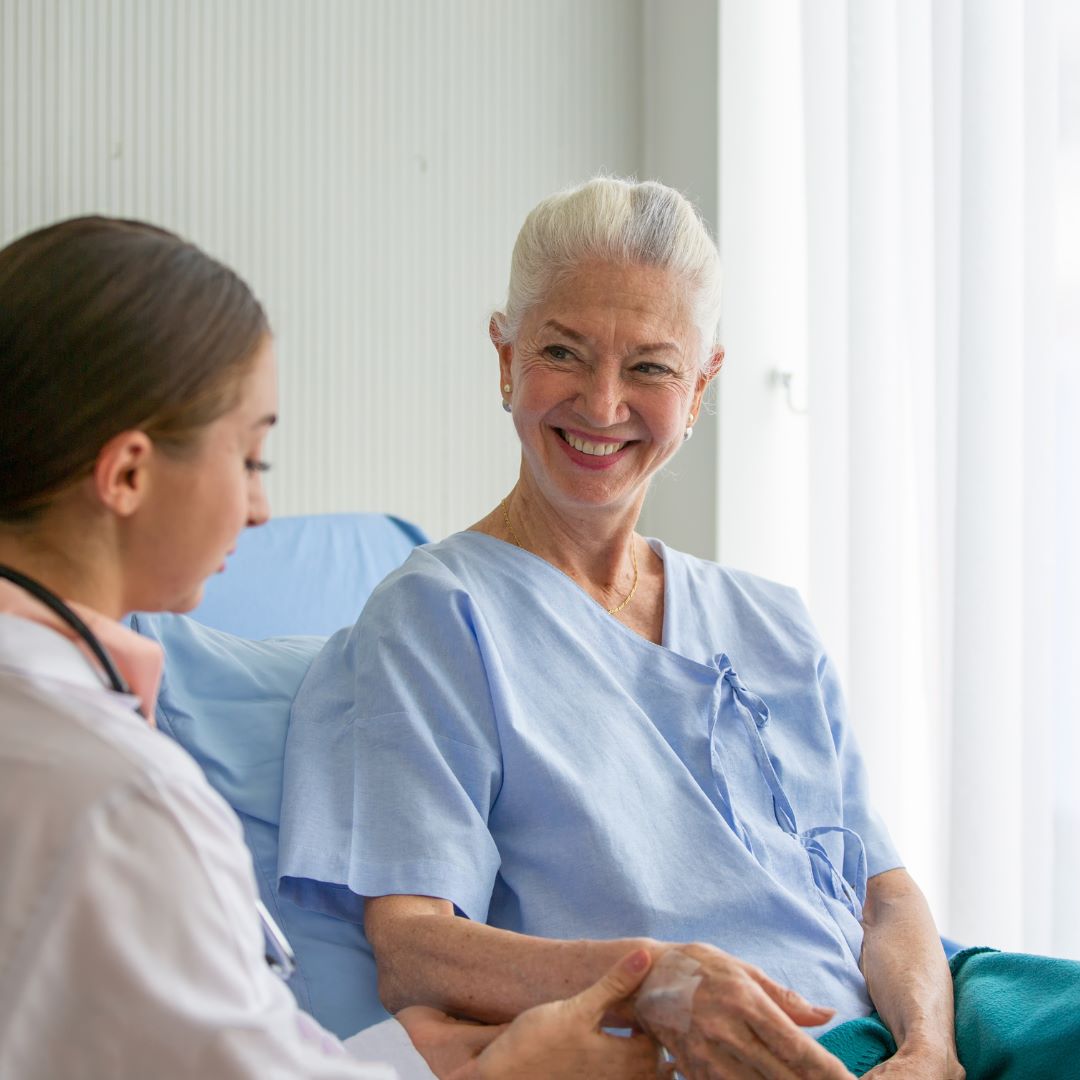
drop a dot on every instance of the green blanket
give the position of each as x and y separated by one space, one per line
1017 1018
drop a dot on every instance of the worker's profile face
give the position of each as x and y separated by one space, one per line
202 498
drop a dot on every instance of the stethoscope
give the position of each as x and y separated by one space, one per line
278 951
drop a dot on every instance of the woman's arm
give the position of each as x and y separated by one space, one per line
908 979
731 1015
427 956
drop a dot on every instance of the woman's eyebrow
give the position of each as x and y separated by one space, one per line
566 331
552 324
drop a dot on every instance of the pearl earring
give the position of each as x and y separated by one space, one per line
689 428
506 388
506 406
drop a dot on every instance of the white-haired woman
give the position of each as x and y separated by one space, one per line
584 741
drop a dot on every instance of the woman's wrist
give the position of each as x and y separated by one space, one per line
937 1049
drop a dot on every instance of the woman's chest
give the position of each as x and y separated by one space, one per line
644 615
655 730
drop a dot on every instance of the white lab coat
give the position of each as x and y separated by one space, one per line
129 942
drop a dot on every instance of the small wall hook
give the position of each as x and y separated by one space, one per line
786 379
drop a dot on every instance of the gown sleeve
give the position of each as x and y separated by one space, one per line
859 813
392 763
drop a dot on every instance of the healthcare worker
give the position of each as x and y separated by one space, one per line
139 389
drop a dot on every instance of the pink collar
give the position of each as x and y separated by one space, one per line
138 659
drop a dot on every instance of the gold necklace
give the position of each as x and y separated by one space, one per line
633 559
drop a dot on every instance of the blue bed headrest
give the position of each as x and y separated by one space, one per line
305 575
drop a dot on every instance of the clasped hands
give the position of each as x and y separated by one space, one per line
718 1016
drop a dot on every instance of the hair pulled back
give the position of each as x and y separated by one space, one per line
619 221
107 326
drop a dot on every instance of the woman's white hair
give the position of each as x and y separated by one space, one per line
619 221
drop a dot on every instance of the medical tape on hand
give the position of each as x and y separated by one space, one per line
666 997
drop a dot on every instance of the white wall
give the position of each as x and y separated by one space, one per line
680 126
763 430
365 164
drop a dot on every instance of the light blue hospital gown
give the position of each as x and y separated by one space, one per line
488 734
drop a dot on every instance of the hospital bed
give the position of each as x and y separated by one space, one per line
232 669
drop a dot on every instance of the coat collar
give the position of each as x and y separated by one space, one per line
40 643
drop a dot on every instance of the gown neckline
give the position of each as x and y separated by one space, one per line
671 569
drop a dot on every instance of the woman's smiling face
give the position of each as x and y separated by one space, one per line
605 374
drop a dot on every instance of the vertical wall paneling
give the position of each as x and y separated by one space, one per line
365 164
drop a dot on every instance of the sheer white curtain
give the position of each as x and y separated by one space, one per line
942 468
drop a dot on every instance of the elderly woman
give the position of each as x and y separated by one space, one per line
549 740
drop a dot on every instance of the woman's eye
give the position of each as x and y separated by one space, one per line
647 368
557 352
256 465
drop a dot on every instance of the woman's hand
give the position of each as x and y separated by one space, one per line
722 1017
563 1041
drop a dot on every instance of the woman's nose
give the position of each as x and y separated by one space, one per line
601 401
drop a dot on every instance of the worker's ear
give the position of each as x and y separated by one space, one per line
121 477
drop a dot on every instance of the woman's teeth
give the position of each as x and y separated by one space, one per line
586 447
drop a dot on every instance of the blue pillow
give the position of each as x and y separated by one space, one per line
226 700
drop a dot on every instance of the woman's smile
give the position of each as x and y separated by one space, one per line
592 451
